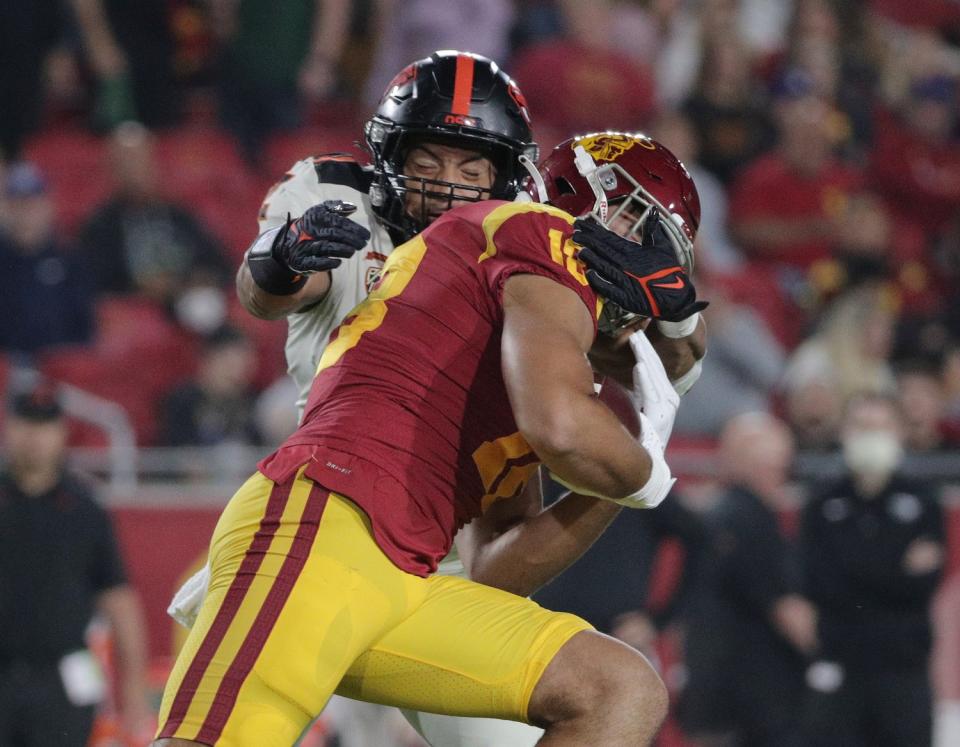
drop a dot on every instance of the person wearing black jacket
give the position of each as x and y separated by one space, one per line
60 565
872 556
747 631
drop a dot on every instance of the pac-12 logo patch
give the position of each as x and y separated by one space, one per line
373 274
609 146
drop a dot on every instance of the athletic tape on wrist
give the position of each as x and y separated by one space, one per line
655 489
269 274
678 330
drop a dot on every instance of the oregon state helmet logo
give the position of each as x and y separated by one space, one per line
609 146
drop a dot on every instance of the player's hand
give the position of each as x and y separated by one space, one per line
319 239
645 279
653 395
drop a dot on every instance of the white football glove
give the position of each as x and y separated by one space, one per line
653 395
656 403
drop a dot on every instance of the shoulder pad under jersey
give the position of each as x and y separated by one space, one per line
343 169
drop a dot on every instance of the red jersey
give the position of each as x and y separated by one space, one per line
408 415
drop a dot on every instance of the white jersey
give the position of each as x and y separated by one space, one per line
309 182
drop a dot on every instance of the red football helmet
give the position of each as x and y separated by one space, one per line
618 176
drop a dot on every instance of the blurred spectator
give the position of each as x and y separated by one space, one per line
915 161
413 29
218 406
714 248
922 403
763 23
813 412
784 207
630 544
747 629
866 252
274 57
950 375
27 33
873 551
135 71
45 295
576 83
945 664
59 565
825 42
746 362
864 249
851 350
727 110
946 269
140 242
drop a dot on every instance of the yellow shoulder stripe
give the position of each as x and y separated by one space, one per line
497 217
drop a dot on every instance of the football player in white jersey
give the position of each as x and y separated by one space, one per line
451 127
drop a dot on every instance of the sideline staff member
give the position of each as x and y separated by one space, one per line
873 552
59 565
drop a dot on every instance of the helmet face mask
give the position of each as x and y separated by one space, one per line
451 98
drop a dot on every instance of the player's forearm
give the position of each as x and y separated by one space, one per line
614 358
532 552
679 354
264 305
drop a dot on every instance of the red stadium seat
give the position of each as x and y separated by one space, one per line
286 148
204 171
74 162
138 357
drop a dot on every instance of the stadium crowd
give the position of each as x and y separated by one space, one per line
137 141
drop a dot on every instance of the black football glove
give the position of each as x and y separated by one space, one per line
320 238
645 279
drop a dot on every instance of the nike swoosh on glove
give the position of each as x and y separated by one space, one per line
644 278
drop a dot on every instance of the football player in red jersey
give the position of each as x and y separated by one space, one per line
427 158
436 399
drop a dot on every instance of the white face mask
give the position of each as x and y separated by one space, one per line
875 453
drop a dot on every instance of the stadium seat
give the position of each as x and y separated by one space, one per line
203 171
79 187
138 357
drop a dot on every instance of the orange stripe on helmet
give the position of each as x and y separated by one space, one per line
463 85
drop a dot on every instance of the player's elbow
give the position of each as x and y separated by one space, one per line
553 433
253 299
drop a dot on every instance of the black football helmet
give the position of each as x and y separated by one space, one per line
457 98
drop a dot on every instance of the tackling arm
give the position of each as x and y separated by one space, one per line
265 305
288 267
547 332
519 547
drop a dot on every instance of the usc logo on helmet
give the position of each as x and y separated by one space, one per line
609 146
